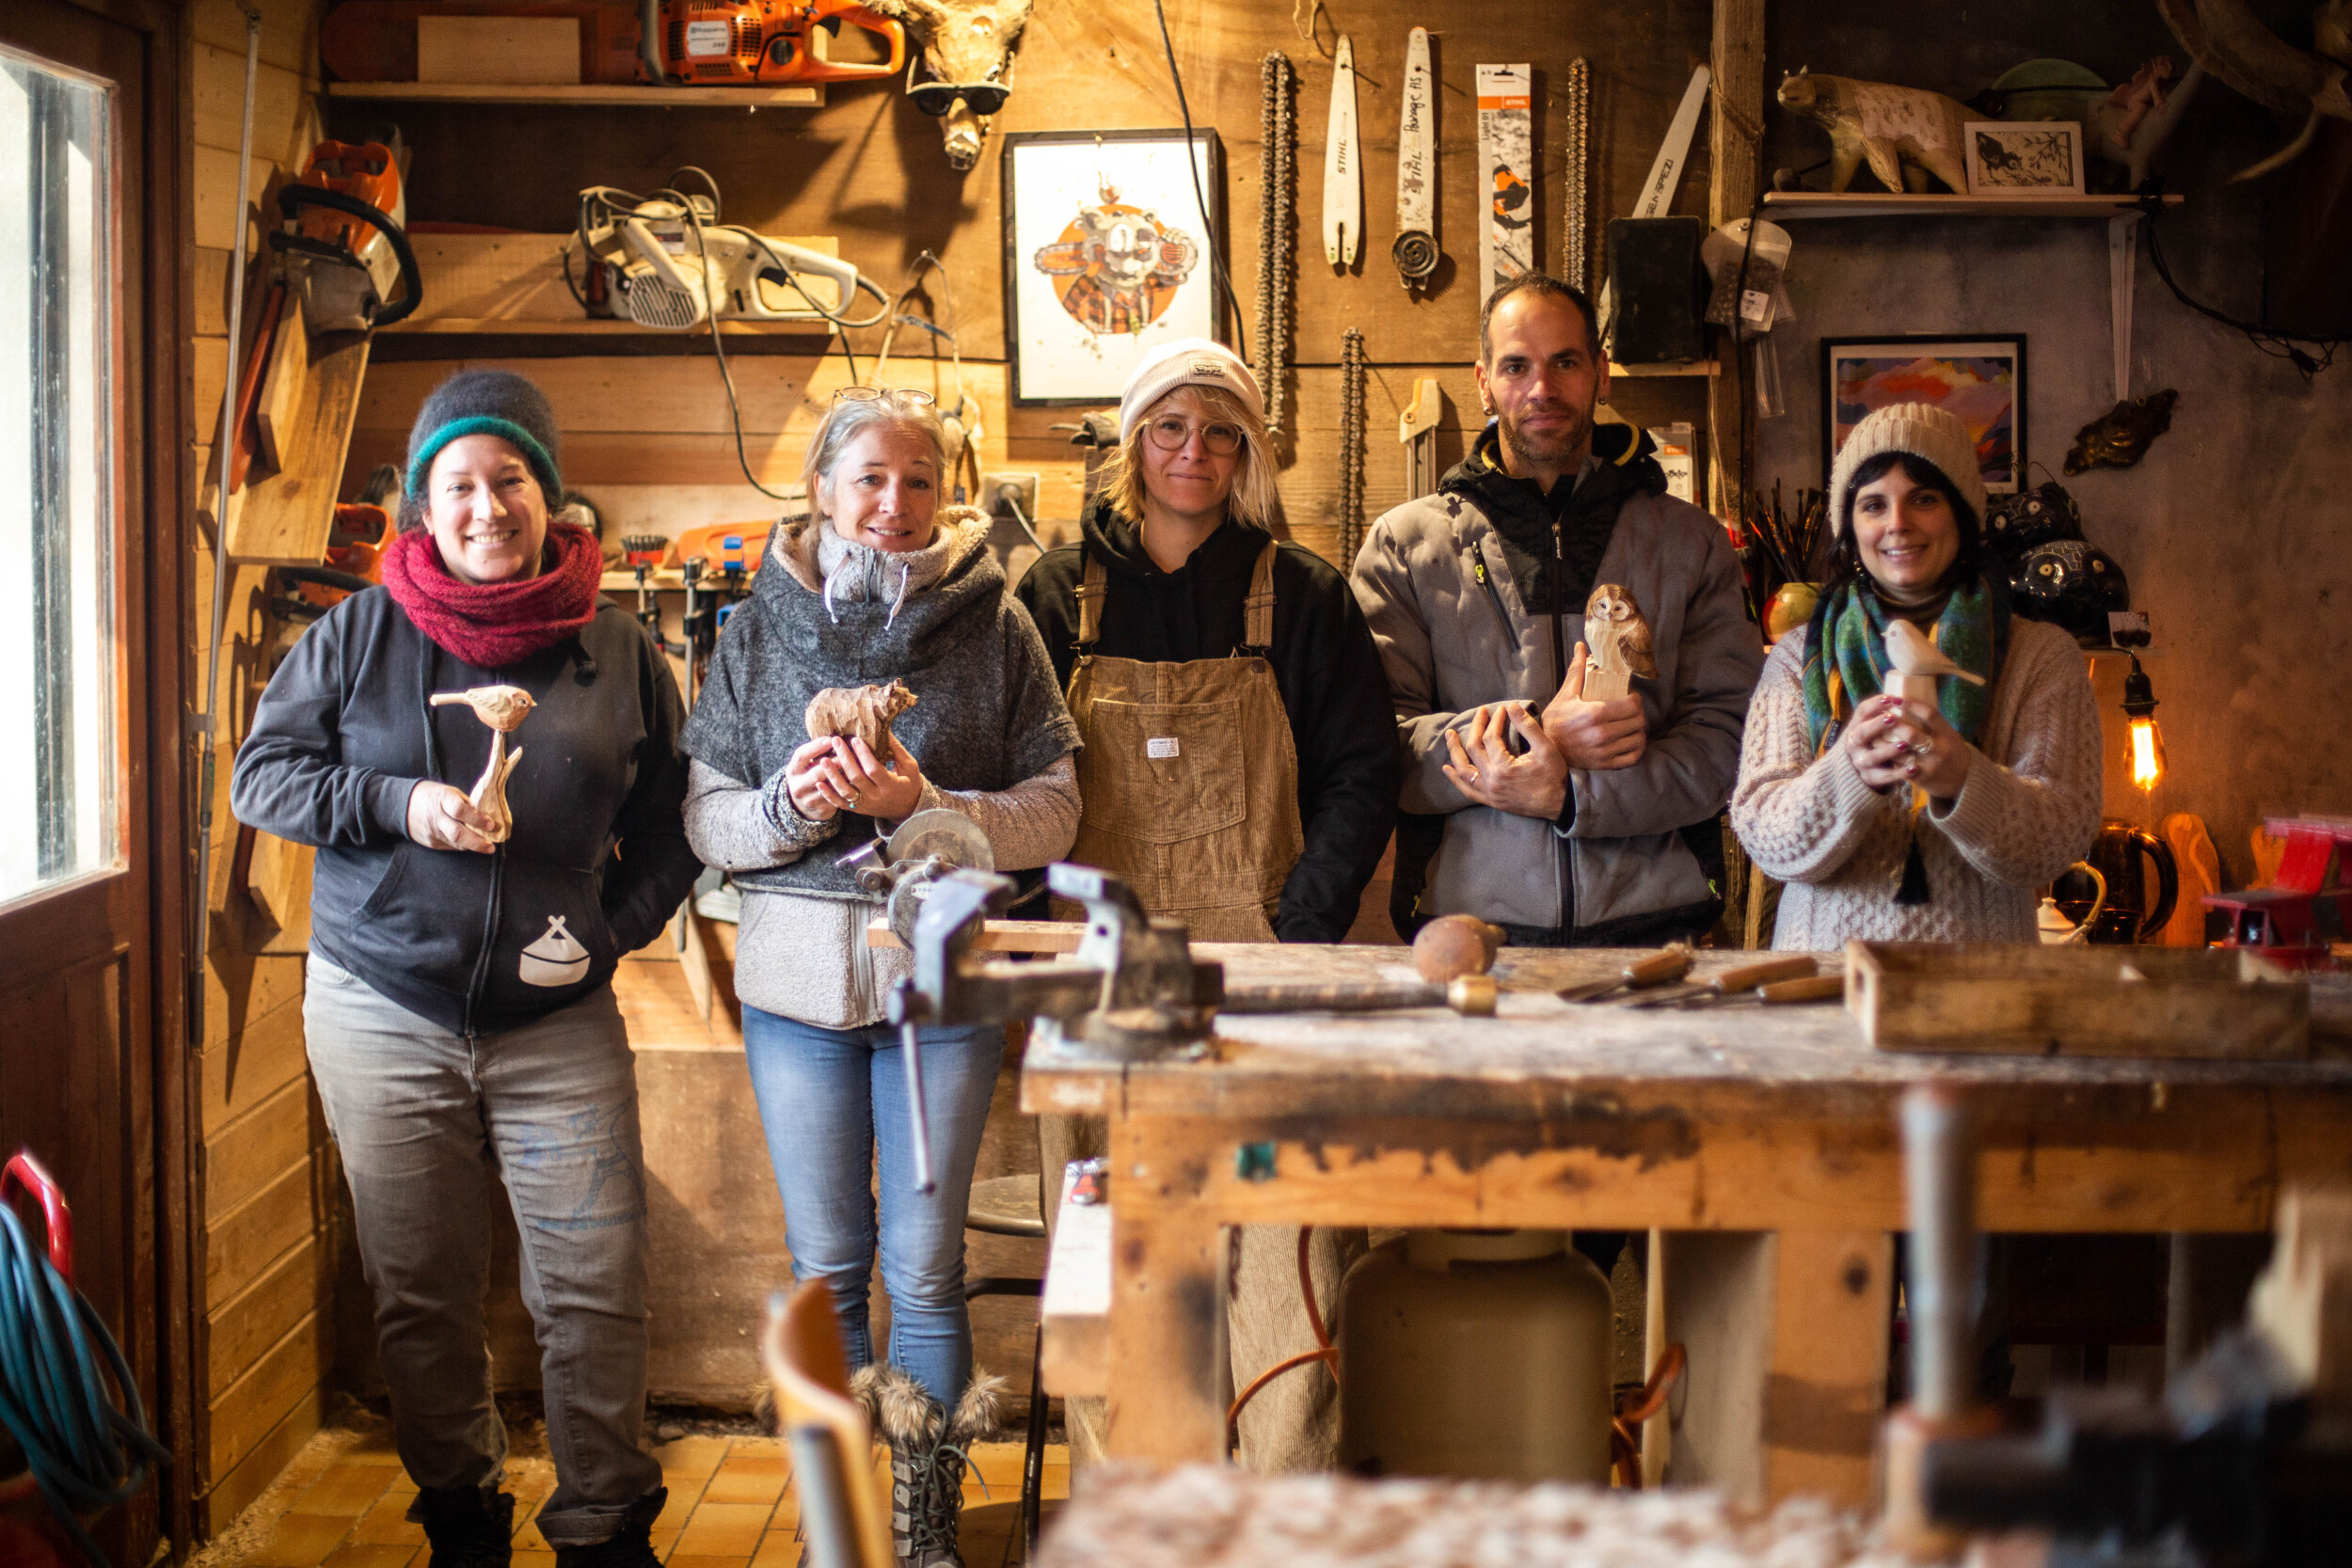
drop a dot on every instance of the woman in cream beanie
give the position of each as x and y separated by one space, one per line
1895 820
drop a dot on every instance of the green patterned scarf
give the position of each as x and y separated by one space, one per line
1845 665
1845 656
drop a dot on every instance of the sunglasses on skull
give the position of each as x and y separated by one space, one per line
936 98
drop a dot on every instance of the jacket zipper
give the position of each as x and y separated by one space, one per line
1559 639
1485 580
489 936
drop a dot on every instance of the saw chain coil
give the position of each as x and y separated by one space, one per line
1278 157
1576 257
1351 447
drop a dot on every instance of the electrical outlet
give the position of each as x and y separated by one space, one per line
1025 486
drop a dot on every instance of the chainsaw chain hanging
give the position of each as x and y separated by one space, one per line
1575 256
1278 157
1351 447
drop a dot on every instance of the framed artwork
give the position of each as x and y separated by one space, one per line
1104 256
1981 380
2020 157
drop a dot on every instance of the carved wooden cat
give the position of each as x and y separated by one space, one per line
1905 133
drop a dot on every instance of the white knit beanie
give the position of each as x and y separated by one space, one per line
1920 429
1186 362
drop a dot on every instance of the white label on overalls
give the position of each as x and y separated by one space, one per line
1160 746
708 37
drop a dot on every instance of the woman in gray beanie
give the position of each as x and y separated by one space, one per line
880 583
457 998
1903 820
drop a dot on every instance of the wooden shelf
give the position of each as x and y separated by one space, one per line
1883 204
1674 367
512 284
589 94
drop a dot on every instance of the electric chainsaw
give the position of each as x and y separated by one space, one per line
667 262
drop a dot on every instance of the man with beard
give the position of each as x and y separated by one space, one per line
1566 822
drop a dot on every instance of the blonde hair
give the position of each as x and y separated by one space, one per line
1253 497
849 419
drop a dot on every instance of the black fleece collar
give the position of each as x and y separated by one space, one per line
1625 465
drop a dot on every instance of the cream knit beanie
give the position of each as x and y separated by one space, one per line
1920 429
1186 362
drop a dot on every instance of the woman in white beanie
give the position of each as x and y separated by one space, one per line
1240 768
1896 820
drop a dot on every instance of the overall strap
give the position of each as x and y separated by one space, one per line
1090 590
1256 635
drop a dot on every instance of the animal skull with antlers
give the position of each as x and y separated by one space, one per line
967 44
2225 37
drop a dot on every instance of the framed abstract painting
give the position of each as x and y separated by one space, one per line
1105 256
1981 380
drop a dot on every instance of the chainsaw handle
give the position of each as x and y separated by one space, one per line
25 1173
292 199
808 67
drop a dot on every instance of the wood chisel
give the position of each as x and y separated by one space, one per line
1730 982
1343 171
1662 968
1416 250
1818 987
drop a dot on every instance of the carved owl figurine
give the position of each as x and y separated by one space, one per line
1616 634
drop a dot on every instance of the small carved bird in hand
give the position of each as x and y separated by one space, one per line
501 707
1911 652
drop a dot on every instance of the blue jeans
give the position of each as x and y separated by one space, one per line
419 1116
829 1100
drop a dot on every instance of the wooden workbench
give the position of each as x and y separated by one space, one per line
1763 1142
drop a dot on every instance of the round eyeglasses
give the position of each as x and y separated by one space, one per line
1170 434
914 395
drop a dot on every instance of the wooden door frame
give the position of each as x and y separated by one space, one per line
151 408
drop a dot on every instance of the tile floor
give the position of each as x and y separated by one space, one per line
732 1505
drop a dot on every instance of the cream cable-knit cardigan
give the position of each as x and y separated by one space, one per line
2030 808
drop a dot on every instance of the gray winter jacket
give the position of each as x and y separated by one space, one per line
1454 637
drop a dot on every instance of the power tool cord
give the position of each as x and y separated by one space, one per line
87 1452
1192 165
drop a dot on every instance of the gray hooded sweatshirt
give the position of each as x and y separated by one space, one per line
1446 604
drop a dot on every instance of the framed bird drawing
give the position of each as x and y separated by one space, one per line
1617 644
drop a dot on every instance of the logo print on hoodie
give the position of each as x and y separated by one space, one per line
556 958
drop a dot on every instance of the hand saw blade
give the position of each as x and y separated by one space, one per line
1342 174
1417 166
1665 173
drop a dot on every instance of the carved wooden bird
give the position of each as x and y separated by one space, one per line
1912 651
501 707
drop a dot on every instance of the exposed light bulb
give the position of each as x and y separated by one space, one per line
2140 703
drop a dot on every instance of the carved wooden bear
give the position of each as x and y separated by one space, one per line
862 712
1906 134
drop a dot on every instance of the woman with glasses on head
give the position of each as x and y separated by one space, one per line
879 582
1240 768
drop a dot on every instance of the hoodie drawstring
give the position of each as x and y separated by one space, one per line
906 580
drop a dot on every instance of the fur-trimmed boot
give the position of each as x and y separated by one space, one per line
930 1447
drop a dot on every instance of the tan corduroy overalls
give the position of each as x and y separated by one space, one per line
1189 781
1188 776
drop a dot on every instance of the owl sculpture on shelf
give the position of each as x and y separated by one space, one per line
1617 644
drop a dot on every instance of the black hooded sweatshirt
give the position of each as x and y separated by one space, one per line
598 853
1325 665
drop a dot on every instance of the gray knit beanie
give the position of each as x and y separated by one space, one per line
486 402
1923 431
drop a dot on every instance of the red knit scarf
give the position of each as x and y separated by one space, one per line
492 624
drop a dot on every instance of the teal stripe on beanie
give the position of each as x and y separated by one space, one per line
542 465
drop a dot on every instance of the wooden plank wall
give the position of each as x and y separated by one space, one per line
265 1173
868 168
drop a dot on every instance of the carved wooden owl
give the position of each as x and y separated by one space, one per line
1616 634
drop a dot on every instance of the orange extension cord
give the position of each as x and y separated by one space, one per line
1323 1351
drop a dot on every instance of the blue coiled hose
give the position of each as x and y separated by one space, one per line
87 1452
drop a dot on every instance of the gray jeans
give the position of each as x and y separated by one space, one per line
419 1114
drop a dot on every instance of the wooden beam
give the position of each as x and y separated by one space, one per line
1734 132
1833 1301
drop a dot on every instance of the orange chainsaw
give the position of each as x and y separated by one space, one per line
760 42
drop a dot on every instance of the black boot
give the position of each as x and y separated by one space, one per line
631 1547
928 1453
467 1527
